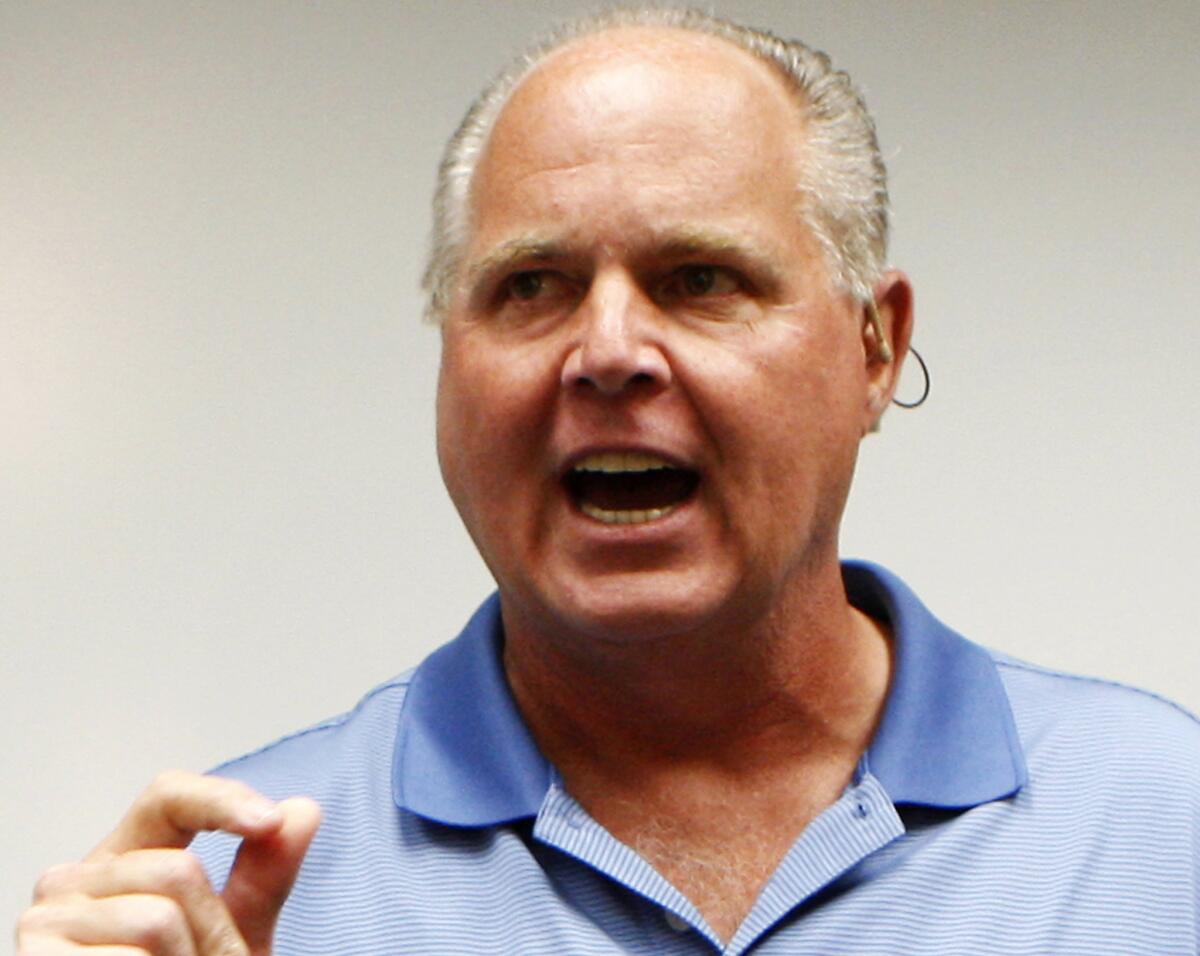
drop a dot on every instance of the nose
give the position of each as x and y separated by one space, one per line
616 348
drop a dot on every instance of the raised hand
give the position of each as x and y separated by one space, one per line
140 892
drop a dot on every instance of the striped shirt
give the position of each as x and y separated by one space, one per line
1000 809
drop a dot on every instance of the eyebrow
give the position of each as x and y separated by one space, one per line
690 241
677 243
742 249
699 241
504 256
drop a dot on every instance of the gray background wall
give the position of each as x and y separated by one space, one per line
220 514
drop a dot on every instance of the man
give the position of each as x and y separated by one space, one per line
682 726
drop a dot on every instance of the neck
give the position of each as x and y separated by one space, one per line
805 682
708 751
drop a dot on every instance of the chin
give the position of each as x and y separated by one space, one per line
635 608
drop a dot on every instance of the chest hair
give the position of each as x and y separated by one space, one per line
721 859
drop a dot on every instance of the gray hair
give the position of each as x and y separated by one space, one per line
844 176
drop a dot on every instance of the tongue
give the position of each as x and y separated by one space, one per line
633 490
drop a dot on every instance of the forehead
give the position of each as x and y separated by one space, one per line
676 104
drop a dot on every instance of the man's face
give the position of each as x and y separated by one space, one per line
651 396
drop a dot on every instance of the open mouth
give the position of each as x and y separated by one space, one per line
628 487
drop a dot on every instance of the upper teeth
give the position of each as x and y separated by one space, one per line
611 461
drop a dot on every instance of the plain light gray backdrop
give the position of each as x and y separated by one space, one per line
220 512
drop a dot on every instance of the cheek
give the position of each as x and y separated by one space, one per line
450 441
781 408
490 408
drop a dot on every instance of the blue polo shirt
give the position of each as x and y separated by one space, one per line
1000 809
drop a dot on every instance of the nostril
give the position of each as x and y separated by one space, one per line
616 382
612 364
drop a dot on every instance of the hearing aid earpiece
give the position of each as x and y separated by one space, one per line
884 349
884 346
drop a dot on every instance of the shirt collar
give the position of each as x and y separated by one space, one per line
947 736
464 756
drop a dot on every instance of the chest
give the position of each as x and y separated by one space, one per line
966 885
718 845
1033 876
720 863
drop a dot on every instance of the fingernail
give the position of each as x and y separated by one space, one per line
261 813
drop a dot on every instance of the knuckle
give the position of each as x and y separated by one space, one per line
160 922
227 942
167 782
173 785
53 881
183 873
35 919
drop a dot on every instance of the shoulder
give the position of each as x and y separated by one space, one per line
308 761
1044 693
344 763
1100 734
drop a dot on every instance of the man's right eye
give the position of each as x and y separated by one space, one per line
536 292
525 286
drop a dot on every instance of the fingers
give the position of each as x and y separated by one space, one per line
140 892
175 876
152 924
178 805
265 869
37 945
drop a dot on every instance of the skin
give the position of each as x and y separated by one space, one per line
638 278
617 170
141 892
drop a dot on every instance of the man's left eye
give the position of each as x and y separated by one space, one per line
699 281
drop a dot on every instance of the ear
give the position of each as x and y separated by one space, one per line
885 342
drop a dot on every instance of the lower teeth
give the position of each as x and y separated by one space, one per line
623 517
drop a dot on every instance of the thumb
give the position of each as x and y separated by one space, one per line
264 871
